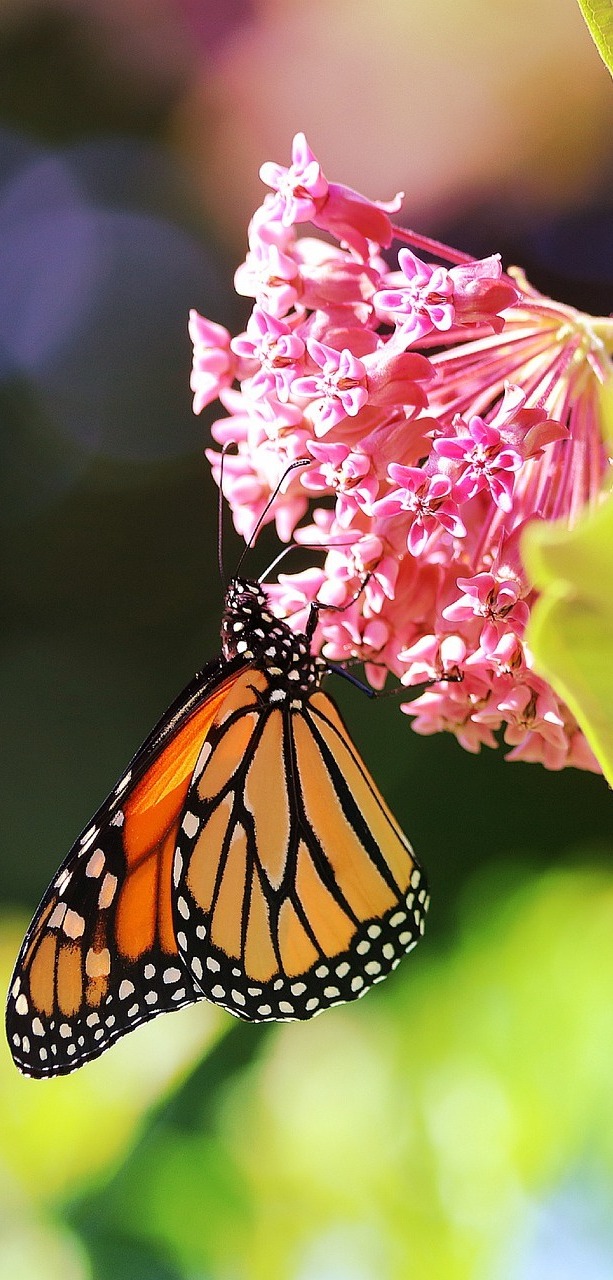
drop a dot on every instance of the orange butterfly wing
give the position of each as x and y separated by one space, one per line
101 954
246 857
295 888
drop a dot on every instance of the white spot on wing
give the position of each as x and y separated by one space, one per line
74 925
57 916
107 891
63 880
190 825
95 864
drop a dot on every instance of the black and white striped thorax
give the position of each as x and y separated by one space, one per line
249 630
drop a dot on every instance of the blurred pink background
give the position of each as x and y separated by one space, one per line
455 101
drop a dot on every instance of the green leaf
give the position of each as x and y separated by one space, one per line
599 17
571 629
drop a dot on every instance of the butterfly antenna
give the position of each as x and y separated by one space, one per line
300 462
220 510
301 546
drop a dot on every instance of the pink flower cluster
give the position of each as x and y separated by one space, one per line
441 408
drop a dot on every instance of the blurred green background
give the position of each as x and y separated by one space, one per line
459 1121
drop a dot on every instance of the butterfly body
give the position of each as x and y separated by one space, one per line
246 857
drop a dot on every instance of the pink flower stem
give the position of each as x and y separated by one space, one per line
435 247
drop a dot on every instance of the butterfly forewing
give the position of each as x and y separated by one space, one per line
101 954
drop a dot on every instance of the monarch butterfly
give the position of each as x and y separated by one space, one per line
246 857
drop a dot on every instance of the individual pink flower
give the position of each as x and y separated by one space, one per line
424 300
340 387
271 277
432 659
487 462
533 724
293 595
351 632
480 294
302 188
214 365
346 473
498 602
248 479
426 499
305 195
490 453
397 378
275 347
433 297
506 659
330 278
368 562
452 708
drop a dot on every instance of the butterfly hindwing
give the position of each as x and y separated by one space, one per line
101 955
295 889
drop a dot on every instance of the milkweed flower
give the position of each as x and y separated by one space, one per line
441 404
